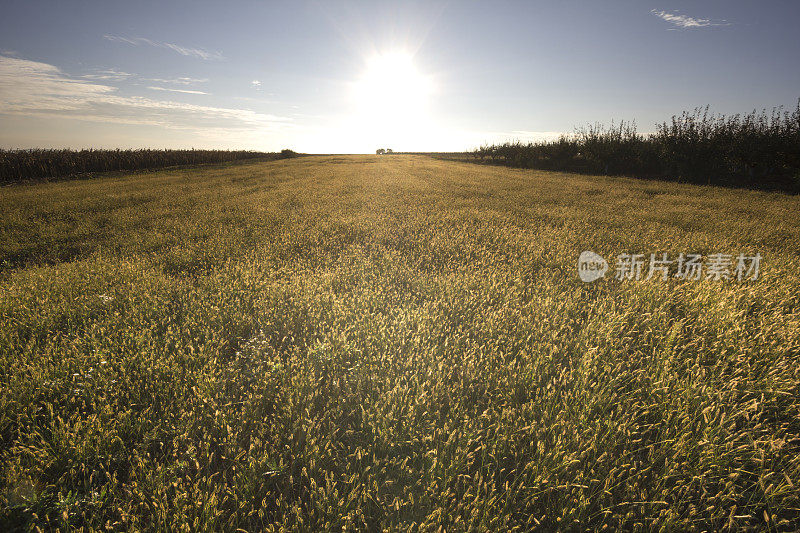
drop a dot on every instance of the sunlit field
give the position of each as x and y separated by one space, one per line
392 343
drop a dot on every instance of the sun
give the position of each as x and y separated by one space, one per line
391 83
391 98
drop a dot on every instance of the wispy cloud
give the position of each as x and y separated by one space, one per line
185 91
183 50
30 88
684 21
179 81
108 75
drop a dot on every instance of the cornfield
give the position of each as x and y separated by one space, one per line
759 149
18 165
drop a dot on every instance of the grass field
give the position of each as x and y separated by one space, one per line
392 342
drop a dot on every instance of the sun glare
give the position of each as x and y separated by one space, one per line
392 84
391 99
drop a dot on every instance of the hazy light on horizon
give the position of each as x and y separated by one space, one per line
353 76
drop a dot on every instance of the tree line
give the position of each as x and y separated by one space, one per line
754 149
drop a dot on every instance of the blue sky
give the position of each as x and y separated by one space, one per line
353 76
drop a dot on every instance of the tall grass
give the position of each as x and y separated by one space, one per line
756 149
17 165
395 343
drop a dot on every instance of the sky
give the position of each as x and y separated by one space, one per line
350 77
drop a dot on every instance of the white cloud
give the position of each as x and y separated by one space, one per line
32 86
179 81
185 91
684 21
183 50
33 89
108 75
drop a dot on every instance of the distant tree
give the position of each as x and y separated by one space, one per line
388 150
286 153
380 151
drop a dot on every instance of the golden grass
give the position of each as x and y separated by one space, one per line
368 342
